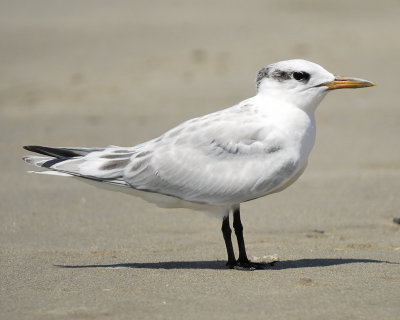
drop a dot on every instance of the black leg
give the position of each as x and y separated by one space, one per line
243 263
237 225
226 231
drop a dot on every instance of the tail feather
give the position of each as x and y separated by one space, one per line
55 155
41 161
69 162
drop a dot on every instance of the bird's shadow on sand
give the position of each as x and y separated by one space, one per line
218 265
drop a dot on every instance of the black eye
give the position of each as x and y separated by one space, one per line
301 76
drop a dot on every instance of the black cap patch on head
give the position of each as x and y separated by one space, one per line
281 75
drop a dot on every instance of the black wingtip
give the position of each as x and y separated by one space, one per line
31 148
52 152
37 149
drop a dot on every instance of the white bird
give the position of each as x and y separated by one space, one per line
215 162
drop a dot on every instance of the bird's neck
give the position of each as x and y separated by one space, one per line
290 119
303 101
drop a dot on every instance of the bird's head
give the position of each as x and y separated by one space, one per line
302 83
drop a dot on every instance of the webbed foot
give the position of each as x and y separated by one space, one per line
248 265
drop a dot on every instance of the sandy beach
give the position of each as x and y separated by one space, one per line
96 73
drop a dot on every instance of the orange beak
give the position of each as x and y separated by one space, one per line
344 82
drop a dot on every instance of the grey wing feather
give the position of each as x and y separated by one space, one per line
197 162
213 159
